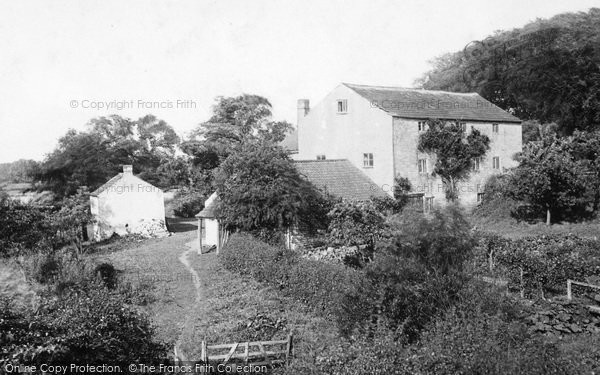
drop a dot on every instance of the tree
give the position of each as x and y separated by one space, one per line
259 188
70 221
454 150
92 157
548 177
236 120
548 70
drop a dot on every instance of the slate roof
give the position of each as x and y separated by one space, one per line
340 178
425 104
107 185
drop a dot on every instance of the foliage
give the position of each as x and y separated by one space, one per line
92 327
91 157
236 120
545 262
548 177
21 170
188 202
547 71
23 227
402 187
356 223
455 152
259 188
417 272
329 289
69 222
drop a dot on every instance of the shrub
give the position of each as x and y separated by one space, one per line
187 203
329 289
546 262
93 326
418 271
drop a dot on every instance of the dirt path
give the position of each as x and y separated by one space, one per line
162 267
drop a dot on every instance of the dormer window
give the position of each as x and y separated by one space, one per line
342 106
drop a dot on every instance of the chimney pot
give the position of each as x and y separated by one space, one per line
127 169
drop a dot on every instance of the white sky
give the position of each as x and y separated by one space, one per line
52 53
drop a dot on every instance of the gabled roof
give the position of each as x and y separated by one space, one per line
113 181
339 177
425 104
210 206
107 185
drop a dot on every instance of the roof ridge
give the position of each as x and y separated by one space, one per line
318 161
351 85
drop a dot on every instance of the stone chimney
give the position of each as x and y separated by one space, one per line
303 109
127 169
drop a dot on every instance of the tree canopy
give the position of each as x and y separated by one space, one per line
548 70
89 158
259 188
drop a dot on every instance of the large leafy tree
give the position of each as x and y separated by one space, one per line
454 150
549 70
549 177
260 189
235 121
91 157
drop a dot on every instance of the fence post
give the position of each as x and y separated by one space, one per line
522 284
288 354
204 354
569 293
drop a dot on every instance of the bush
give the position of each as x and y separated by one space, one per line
93 326
418 271
547 262
187 203
329 289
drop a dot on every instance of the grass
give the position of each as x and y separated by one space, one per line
154 264
511 228
233 308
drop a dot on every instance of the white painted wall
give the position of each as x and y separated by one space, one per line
126 206
211 230
363 129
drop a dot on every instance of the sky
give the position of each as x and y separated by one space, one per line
63 63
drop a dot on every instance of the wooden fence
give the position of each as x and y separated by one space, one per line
570 283
257 353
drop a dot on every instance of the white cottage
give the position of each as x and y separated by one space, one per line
127 204
209 230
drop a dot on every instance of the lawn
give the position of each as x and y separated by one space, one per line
153 264
233 308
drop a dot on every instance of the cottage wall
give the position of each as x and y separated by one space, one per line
127 206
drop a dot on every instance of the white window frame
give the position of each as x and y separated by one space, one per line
422 165
368 160
496 162
341 106
463 126
422 126
495 128
477 163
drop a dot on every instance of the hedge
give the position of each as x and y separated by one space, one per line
329 289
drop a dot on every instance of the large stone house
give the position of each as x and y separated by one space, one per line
377 130
126 204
